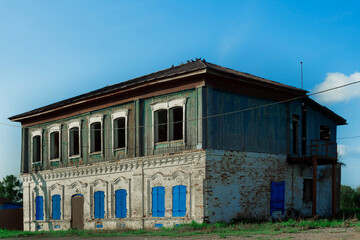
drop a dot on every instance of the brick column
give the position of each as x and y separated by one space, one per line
333 192
314 185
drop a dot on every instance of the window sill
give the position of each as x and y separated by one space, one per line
55 160
95 153
74 156
37 164
119 149
169 142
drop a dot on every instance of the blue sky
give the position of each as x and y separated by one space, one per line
52 50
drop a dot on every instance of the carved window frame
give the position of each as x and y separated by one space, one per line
122 113
71 125
51 129
94 119
34 133
167 105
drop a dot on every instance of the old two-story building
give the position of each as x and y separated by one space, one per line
192 142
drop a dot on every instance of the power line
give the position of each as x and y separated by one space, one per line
226 113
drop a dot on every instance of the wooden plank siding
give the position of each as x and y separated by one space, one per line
139 135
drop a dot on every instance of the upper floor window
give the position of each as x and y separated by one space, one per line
176 123
36 146
119 125
161 125
169 120
324 133
54 143
74 139
95 134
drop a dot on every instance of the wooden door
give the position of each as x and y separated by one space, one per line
77 212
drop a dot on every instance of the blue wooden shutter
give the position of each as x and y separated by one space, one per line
56 207
182 200
179 201
96 205
102 206
277 202
120 202
39 202
99 210
158 202
154 202
176 203
161 202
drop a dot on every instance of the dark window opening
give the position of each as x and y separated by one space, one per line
161 126
324 133
54 145
74 141
95 137
295 133
176 123
119 133
303 130
36 149
307 196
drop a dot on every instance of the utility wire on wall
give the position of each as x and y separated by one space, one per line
220 114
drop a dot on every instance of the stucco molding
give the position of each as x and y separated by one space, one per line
103 168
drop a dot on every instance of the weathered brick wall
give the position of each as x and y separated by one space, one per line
137 176
238 184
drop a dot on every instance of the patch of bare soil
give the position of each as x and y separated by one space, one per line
317 234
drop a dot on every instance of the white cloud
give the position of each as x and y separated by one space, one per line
342 149
339 95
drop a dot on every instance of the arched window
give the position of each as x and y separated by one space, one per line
54 145
36 149
119 133
158 201
74 141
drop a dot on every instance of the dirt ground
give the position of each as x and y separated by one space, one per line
323 234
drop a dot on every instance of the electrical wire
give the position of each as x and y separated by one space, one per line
221 114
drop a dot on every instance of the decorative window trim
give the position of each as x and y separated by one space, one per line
51 129
94 119
34 133
119 114
175 102
71 125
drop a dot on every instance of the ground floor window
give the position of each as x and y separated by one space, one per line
99 209
56 207
158 201
120 203
39 202
179 201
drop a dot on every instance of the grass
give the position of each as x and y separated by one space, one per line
243 228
